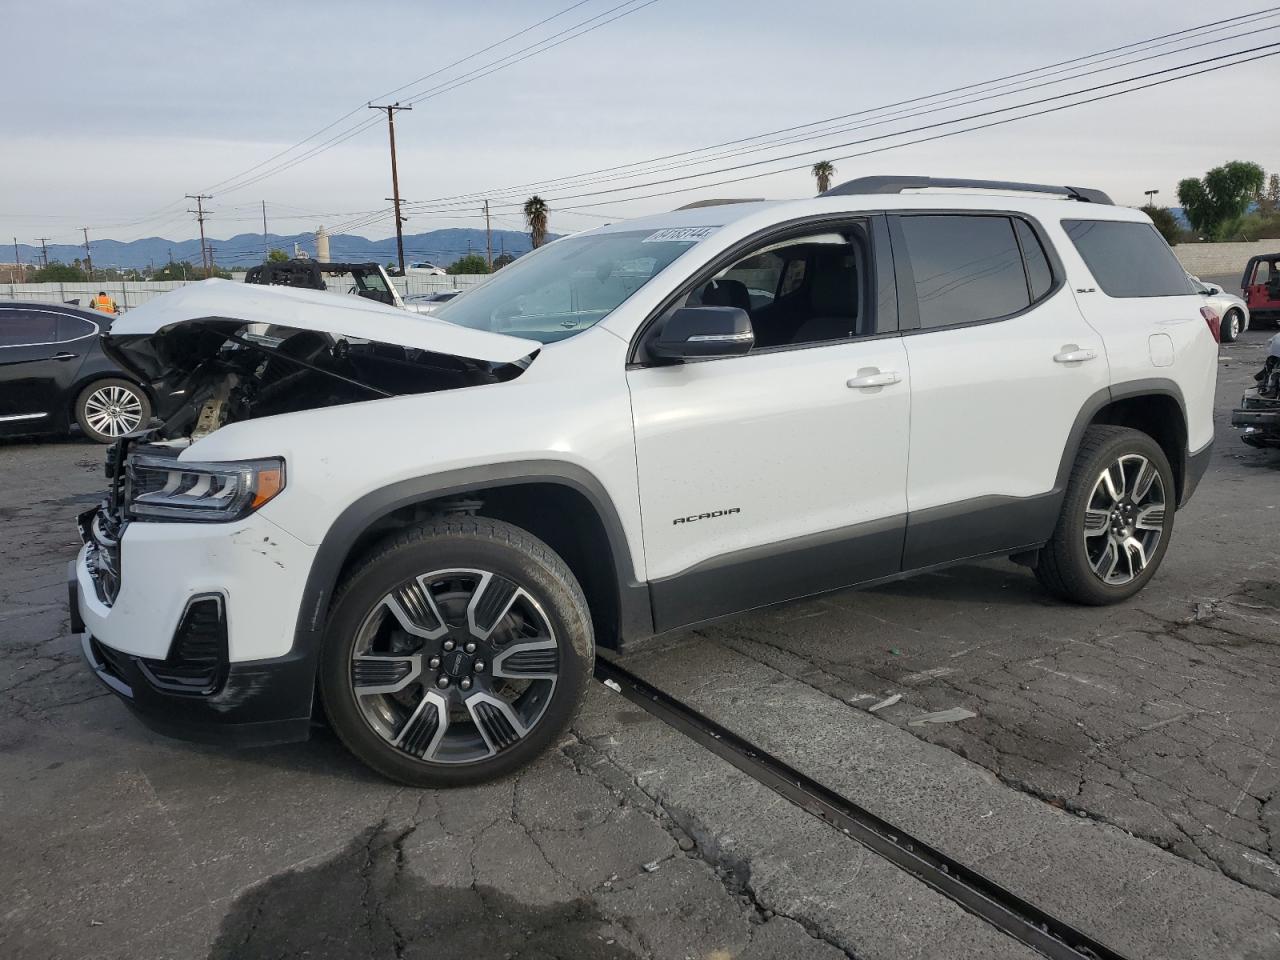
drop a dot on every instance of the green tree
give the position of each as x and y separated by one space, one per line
58 272
276 255
823 171
181 270
502 260
1165 222
536 215
471 263
1222 195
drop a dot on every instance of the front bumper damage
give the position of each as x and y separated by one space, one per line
180 621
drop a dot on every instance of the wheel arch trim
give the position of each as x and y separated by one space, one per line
1130 389
357 518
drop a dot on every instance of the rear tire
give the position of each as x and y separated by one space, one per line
1116 520
1231 326
108 409
455 653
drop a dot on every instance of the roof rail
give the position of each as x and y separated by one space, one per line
698 204
898 184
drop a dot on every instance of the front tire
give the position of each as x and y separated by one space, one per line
456 653
108 409
1116 520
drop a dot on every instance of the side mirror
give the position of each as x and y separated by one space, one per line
700 332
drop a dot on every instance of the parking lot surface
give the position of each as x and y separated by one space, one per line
1119 770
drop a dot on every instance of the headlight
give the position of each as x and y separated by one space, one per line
161 488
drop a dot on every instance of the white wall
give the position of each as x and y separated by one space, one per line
1207 259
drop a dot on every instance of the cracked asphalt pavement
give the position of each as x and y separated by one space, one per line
1120 771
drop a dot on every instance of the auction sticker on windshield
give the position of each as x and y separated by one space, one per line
680 235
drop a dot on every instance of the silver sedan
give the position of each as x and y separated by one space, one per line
1232 310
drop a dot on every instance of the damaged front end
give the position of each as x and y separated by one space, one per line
219 352
1259 412
209 373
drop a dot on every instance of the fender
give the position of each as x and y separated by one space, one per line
633 597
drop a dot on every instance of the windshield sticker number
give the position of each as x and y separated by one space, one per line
680 235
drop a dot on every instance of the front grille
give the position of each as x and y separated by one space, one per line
197 661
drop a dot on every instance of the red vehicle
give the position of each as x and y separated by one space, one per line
1260 287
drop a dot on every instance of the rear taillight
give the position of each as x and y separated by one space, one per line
1214 321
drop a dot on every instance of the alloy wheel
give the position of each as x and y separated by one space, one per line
113 411
454 666
1124 519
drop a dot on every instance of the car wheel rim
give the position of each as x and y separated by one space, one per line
454 666
1233 326
1124 519
113 411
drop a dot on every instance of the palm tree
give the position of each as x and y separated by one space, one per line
823 171
535 215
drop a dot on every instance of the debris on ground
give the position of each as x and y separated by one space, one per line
613 685
886 702
950 715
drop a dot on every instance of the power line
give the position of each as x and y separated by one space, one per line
952 133
445 203
930 126
392 93
444 88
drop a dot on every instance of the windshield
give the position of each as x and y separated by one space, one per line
567 286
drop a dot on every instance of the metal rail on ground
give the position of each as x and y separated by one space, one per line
981 896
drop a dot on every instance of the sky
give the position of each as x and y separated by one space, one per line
123 108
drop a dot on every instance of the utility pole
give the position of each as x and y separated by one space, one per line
488 238
1151 195
44 251
87 255
201 213
17 261
395 177
266 249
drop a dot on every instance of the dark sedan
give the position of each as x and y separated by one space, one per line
53 373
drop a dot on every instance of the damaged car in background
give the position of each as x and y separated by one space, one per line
1259 412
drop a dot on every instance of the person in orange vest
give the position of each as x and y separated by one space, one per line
104 303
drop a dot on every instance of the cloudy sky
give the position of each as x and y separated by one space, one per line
118 109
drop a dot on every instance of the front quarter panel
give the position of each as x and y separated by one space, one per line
571 406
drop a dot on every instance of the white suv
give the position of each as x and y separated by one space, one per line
427 524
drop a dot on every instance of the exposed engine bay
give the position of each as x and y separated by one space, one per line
208 373
1259 410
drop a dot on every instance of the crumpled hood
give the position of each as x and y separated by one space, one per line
334 314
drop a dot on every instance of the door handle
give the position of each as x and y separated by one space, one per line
65 356
1073 354
874 378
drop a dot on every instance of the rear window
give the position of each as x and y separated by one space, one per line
967 268
27 327
1128 259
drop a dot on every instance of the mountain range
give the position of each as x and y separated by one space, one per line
244 250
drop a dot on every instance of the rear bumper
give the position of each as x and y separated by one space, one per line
1197 464
252 703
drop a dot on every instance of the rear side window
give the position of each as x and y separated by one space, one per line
966 268
1039 273
74 328
22 327
1128 259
